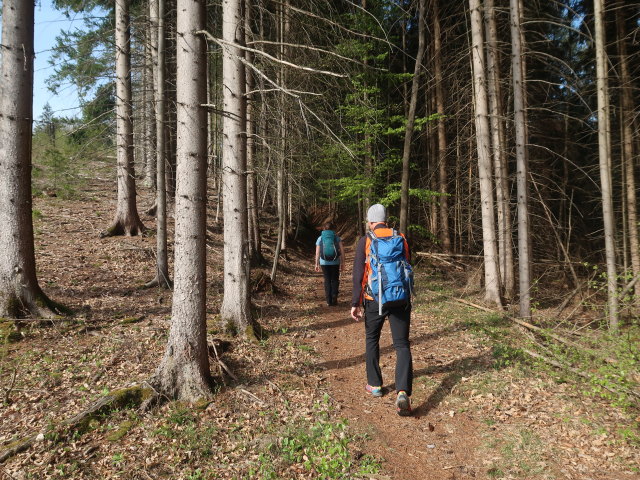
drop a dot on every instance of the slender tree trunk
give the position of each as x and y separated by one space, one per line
368 147
183 373
276 255
604 150
157 12
126 222
20 294
281 174
491 269
408 135
627 121
235 311
252 183
522 175
149 105
505 252
445 235
170 98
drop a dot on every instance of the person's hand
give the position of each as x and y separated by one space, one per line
356 314
342 267
317 267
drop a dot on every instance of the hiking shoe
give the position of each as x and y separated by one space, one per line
375 391
403 404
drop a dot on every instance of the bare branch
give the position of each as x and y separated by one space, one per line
224 44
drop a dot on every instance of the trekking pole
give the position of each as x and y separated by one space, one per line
379 291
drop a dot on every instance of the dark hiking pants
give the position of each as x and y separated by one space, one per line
331 275
399 320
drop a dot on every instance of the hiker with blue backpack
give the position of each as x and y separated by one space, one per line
383 285
330 257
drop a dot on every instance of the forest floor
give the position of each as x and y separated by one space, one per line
294 404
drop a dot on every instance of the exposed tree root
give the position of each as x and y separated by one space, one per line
160 281
181 376
152 211
125 228
123 398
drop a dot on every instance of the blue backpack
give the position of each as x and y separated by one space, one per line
328 248
390 281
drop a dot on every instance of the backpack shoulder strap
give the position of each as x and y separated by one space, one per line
372 239
407 254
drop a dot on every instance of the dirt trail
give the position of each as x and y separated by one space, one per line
437 442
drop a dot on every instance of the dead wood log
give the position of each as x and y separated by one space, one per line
122 398
629 286
566 301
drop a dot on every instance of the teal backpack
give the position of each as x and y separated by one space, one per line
328 248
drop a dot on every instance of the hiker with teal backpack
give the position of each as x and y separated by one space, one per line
383 284
330 257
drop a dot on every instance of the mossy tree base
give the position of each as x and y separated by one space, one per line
30 304
253 332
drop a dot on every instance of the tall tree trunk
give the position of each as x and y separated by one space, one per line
149 105
183 373
604 151
522 175
170 98
235 311
505 252
445 234
368 149
281 174
126 222
491 269
20 294
252 183
157 12
627 121
411 117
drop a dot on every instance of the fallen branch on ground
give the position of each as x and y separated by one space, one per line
580 373
480 307
564 341
221 365
122 398
440 258
253 397
533 328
